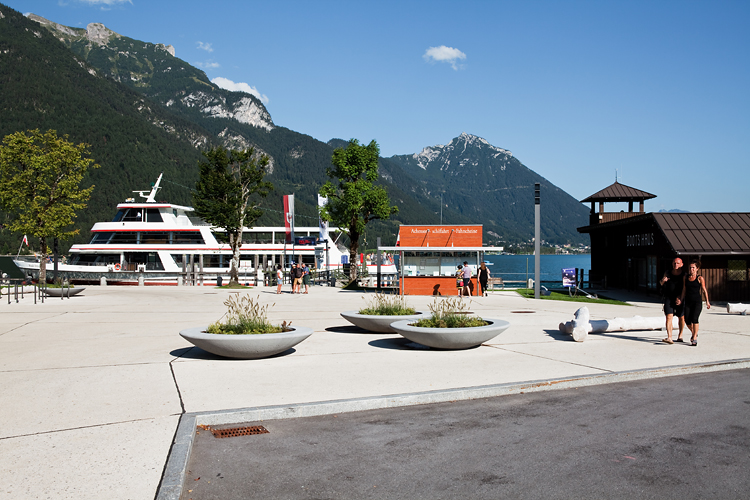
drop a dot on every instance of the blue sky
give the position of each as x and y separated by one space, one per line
657 91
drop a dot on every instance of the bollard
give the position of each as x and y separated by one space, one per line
103 281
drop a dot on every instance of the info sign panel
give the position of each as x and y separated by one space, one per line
569 277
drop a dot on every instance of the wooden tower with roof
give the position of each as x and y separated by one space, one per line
616 193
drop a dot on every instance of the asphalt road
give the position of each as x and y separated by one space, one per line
681 438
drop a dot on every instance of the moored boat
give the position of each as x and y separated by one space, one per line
160 243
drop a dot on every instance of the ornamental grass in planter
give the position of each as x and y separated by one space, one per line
246 332
383 304
382 310
450 313
450 326
246 317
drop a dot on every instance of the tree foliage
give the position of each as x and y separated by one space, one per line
354 199
228 193
40 177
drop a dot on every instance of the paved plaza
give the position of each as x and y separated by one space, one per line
93 387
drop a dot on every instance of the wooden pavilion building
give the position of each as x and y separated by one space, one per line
632 250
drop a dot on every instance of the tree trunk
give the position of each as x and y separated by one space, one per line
43 260
234 274
353 247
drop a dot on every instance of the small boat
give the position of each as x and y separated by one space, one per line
160 243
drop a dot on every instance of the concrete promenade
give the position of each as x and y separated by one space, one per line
92 388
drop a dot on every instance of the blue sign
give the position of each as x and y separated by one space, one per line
569 277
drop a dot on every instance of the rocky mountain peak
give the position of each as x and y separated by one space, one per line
458 146
98 33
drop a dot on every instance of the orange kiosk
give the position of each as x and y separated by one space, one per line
430 255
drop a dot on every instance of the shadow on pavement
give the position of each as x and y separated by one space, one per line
558 335
348 329
398 343
198 353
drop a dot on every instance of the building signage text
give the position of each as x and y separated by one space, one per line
640 240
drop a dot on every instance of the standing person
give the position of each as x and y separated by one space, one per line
694 285
279 278
483 276
671 286
460 279
297 275
306 276
467 279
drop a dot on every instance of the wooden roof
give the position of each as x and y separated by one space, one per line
706 233
619 192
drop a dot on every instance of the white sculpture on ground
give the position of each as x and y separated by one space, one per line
742 309
581 326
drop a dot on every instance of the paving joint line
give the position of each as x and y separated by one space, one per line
553 359
92 426
170 486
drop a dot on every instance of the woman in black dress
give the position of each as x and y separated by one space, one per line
484 275
694 286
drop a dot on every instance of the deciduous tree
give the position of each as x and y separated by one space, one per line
228 194
40 178
353 198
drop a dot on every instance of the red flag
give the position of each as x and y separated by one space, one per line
25 240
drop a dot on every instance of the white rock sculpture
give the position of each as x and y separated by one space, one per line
581 325
738 309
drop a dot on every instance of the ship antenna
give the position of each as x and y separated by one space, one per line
151 197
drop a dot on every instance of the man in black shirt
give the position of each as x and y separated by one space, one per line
671 286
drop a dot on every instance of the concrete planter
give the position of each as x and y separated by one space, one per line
377 323
246 346
62 292
451 338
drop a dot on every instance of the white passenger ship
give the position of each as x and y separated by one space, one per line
163 244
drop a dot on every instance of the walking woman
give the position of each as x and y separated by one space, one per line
694 287
484 275
279 279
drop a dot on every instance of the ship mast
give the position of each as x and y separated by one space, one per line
151 197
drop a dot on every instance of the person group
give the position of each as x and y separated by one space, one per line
300 275
463 279
683 298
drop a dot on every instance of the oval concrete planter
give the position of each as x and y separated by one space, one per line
246 346
57 292
379 323
451 338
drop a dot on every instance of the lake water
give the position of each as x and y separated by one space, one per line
515 267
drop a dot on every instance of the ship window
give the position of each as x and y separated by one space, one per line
154 237
153 215
133 215
101 238
151 260
213 260
118 216
88 259
257 238
187 238
124 238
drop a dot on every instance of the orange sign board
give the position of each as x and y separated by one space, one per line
440 236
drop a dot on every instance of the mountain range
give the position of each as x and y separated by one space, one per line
145 111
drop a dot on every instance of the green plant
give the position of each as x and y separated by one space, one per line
450 313
382 304
529 294
245 316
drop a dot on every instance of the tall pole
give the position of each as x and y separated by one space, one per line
537 237
378 257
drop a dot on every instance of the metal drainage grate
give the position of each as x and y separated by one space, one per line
239 431
522 312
